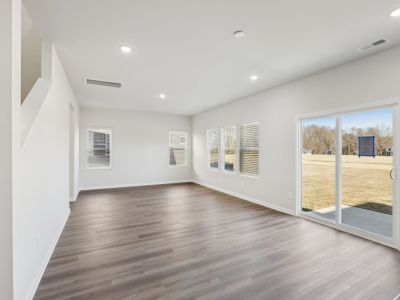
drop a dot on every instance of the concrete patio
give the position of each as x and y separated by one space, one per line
368 220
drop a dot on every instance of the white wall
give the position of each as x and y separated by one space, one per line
139 148
10 30
42 181
372 79
31 52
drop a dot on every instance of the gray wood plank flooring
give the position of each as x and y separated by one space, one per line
185 241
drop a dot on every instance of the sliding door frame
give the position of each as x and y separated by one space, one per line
393 242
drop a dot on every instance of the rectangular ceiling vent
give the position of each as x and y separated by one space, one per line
103 83
374 45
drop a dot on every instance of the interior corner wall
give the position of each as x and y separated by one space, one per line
371 79
140 150
41 206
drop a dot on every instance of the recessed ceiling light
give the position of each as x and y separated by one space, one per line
238 34
126 49
395 13
163 96
254 77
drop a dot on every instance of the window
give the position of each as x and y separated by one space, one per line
229 148
249 149
177 148
98 149
213 148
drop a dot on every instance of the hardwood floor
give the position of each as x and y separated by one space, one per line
185 241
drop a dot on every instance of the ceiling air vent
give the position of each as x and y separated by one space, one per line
103 83
374 45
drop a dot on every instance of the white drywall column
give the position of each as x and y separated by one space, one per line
10 85
5 152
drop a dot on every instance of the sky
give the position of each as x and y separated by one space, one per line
359 119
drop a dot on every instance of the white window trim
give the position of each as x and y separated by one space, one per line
222 154
221 161
87 144
250 123
250 176
186 148
208 150
259 151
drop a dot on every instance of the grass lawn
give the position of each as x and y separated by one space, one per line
366 182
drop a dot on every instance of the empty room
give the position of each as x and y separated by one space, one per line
200 149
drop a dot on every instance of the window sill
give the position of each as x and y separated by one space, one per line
250 176
229 172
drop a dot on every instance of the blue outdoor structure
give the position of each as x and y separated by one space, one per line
366 146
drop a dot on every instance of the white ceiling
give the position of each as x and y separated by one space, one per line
185 48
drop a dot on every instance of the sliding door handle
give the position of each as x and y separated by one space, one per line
393 172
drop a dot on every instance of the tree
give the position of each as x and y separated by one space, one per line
319 139
322 139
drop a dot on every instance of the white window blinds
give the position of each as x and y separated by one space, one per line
98 148
213 148
249 148
177 148
229 148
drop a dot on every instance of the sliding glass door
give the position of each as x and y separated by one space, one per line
348 171
368 170
318 159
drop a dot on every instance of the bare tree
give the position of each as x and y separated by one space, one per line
319 139
322 139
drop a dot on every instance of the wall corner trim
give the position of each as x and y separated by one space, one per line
46 260
246 198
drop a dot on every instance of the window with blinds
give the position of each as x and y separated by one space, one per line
177 148
249 148
229 148
213 148
98 149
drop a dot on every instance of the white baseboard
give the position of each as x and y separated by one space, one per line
46 260
116 186
75 196
250 199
